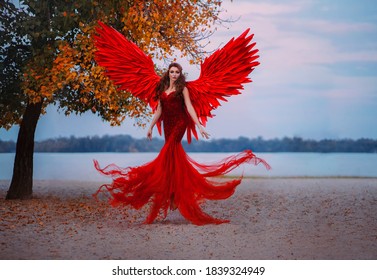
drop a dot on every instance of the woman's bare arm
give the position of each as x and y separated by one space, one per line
191 111
156 116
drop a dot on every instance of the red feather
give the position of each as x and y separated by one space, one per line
126 64
222 75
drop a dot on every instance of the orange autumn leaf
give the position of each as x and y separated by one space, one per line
73 80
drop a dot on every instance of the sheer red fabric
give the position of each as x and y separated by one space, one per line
173 179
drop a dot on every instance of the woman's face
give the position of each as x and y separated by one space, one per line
174 73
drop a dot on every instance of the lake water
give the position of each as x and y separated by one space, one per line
79 166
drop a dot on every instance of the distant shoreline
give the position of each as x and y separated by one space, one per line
126 143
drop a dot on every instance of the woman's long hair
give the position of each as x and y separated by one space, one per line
180 83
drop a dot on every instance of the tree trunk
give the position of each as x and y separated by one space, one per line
21 186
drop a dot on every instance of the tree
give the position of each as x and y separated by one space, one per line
47 57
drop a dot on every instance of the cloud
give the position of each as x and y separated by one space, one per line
298 83
238 8
333 27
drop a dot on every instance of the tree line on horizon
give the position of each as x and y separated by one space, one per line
126 143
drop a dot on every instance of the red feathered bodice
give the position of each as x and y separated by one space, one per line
174 116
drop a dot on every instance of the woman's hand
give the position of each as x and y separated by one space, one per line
149 133
156 116
203 132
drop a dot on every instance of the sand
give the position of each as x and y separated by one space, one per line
271 218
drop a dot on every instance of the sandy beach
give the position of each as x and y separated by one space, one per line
271 218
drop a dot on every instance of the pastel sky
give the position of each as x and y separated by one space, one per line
317 78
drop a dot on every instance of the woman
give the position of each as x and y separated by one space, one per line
173 82
173 180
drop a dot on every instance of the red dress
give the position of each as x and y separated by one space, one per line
173 179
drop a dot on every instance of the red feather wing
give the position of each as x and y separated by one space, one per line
126 64
222 75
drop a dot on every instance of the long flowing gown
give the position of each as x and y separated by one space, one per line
173 179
